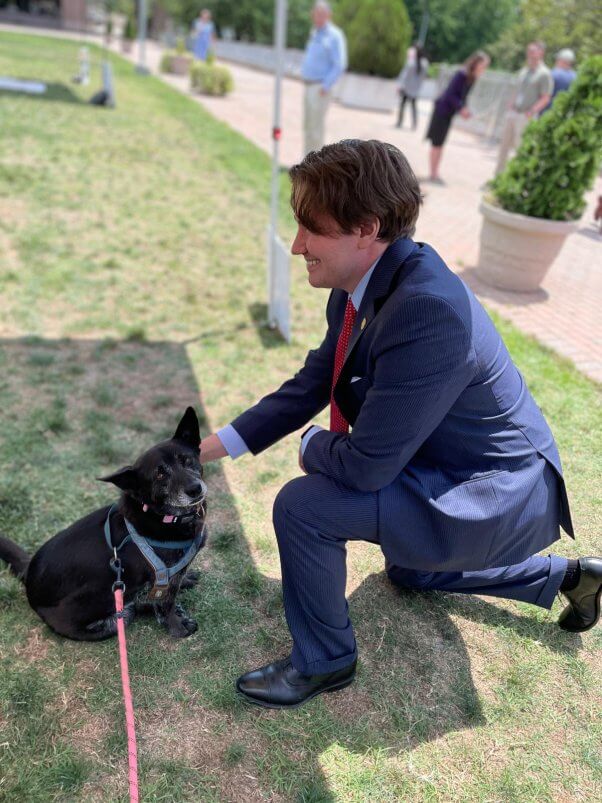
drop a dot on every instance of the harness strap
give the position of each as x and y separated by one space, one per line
107 529
163 574
160 568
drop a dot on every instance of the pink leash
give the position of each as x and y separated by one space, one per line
118 589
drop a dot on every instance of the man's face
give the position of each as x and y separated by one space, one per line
320 16
332 260
534 55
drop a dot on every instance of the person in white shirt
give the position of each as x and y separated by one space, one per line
324 62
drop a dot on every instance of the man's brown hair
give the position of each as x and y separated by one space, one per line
353 182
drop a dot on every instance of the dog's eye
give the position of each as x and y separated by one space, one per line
161 473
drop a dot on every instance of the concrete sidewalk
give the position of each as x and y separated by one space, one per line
564 314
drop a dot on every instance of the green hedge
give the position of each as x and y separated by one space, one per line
559 155
210 79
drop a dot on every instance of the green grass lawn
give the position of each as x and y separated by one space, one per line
132 279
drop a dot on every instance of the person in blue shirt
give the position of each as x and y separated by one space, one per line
204 33
436 451
324 62
562 73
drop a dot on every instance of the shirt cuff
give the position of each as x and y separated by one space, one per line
232 442
307 436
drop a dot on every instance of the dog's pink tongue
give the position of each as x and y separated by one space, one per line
168 519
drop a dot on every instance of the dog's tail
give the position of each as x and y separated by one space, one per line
17 558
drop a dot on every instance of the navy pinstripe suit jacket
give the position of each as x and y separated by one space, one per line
444 428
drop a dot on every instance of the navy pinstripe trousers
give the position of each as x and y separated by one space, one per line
314 516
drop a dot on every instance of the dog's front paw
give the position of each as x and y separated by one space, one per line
189 580
182 628
180 625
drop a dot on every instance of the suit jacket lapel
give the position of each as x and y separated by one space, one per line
378 288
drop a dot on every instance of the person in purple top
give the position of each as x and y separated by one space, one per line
450 102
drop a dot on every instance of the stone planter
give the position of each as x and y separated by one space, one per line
516 250
180 65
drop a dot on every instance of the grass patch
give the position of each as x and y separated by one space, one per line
132 252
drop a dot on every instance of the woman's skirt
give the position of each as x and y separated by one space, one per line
438 128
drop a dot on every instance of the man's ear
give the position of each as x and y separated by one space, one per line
369 231
126 478
188 429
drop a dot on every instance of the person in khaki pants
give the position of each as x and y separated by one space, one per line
324 61
535 86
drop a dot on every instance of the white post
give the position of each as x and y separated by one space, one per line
141 66
279 39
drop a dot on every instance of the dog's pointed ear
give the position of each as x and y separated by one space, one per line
188 429
126 478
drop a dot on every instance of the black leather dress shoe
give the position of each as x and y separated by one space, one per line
279 685
583 610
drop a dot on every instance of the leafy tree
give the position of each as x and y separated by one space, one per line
378 35
299 22
459 27
559 23
559 155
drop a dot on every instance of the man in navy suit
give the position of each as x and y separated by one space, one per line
449 466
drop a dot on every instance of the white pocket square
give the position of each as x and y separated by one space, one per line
354 379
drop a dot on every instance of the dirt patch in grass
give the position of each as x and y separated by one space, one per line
88 736
207 741
35 648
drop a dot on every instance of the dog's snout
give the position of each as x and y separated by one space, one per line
194 489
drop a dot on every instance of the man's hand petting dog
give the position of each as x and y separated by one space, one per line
158 523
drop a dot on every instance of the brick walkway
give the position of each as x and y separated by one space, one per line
564 314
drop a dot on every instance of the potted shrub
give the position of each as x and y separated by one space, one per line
128 35
176 61
539 197
209 78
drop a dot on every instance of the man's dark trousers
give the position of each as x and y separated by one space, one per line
314 517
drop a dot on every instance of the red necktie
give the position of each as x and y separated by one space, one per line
338 422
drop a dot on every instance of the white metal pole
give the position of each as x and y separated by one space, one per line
141 66
280 41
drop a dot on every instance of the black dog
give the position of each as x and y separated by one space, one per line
69 579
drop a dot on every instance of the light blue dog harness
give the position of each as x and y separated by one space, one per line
163 573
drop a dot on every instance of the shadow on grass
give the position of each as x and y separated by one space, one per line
270 338
73 410
54 92
258 313
496 618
